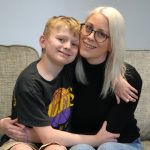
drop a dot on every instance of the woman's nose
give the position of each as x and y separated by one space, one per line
92 35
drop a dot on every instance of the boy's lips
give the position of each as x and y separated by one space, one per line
65 53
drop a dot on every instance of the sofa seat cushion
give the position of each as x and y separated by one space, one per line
146 145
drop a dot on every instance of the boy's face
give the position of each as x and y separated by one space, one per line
61 47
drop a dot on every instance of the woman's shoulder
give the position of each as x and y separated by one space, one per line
130 70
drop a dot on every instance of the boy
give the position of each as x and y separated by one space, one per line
43 95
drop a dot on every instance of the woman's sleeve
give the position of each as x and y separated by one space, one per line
121 114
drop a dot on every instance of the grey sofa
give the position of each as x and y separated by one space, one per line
14 58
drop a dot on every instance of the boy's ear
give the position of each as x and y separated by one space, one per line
42 41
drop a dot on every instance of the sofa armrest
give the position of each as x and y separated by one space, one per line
13 59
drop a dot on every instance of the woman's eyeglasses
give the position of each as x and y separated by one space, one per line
99 35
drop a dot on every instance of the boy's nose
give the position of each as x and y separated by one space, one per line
67 45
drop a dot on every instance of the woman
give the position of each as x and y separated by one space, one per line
101 48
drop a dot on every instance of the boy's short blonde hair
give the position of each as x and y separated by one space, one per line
60 21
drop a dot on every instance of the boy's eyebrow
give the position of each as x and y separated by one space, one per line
76 41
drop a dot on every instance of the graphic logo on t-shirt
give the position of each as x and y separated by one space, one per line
13 101
59 109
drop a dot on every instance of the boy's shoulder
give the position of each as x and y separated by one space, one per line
29 72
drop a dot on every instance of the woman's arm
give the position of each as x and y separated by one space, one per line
17 131
121 115
69 139
21 133
13 129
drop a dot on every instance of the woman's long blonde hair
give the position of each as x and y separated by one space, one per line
115 61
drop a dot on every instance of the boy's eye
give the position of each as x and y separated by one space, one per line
62 40
75 44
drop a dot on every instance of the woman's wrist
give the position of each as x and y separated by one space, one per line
1 126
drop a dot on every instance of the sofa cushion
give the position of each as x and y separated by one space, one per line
141 60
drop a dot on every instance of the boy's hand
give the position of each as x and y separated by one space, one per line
123 90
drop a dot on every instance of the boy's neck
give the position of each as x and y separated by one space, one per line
48 70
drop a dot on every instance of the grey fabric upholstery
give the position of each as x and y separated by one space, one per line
13 59
141 60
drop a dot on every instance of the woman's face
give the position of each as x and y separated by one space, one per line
92 50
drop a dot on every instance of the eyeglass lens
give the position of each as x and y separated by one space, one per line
99 35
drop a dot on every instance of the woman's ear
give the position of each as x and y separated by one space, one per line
109 47
109 50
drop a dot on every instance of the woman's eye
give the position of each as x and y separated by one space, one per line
101 34
89 29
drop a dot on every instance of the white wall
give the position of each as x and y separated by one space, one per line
22 21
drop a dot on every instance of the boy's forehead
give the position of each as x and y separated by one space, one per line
64 29
61 29
65 32
70 27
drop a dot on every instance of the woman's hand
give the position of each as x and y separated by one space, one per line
104 136
123 90
13 129
18 131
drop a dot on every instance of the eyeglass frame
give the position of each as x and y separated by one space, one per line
92 30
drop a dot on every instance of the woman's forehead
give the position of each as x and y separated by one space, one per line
99 21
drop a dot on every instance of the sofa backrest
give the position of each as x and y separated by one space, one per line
140 59
13 59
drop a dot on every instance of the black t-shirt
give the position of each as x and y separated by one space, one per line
91 110
38 102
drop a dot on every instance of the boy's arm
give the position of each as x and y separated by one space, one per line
123 90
